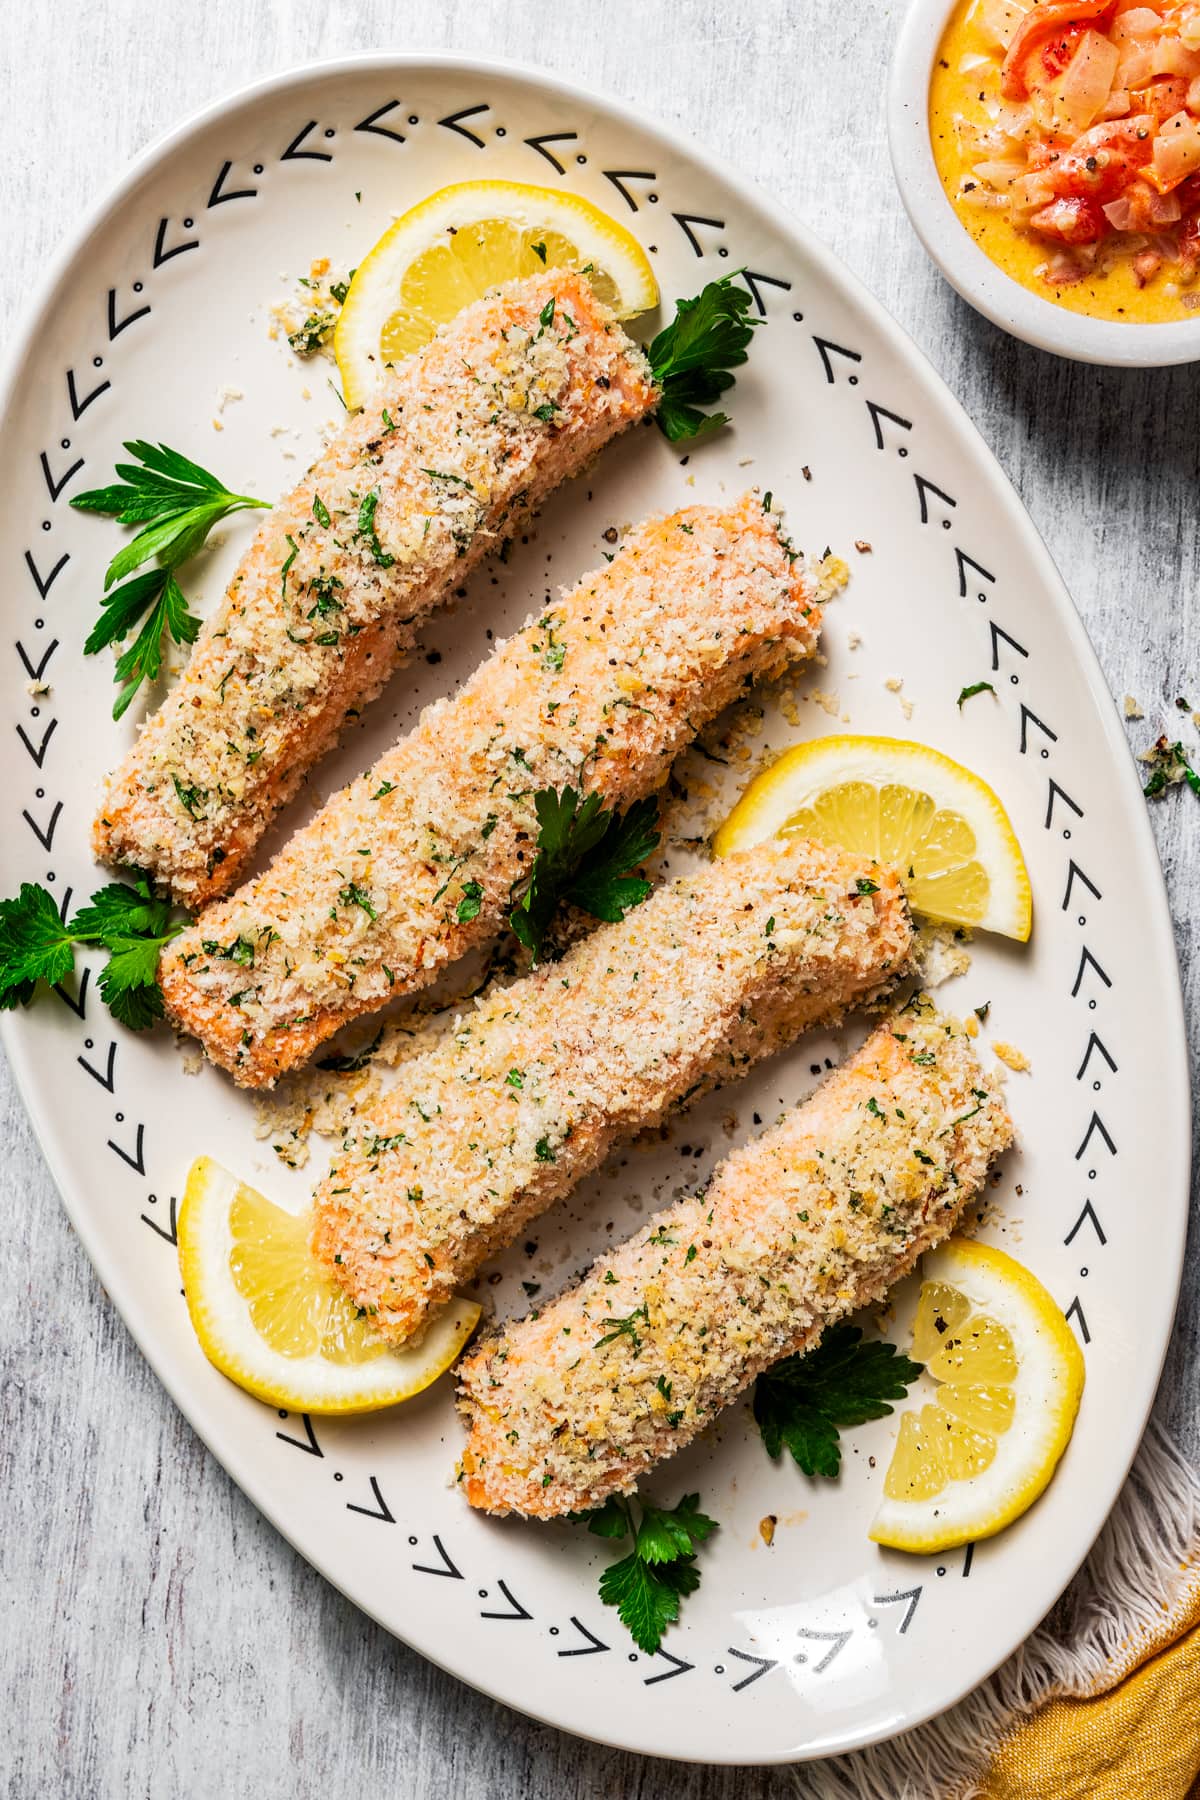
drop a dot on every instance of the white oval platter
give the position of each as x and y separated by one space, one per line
153 314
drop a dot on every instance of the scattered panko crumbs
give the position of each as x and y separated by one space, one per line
832 574
1013 1058
895 685
941 952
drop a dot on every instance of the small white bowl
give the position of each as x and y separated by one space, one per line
993 293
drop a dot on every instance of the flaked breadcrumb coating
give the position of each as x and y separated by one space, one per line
511 398
418 861
817 1218
530 1092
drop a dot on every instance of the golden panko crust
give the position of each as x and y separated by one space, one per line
532 1090
416 863
818 1217
465 437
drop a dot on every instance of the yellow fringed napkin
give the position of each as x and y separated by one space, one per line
1137 1733
1102 1702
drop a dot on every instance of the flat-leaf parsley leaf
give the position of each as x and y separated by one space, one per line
584 856
176 503
37 944
692 359
801 1403
646 1586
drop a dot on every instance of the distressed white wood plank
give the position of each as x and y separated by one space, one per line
160 1638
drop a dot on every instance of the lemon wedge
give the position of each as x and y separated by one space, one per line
906 805
456 245
268 1317
1009 1375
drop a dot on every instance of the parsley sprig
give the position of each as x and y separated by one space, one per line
646 1586
804 1401
584 856
37 944
1168 764
693 358
176 503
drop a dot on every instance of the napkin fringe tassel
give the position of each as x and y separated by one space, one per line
1114 1604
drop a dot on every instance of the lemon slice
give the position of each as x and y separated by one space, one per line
462 241
269 1318
1010 1374
903 804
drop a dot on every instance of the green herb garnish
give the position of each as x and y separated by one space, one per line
176 503
367 532
1169 765
191 798
316 330
976 687
350 894
469 905
802 1403
626 1327
647 1586
693 358
37 945
584 855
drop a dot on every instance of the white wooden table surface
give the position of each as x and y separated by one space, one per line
159 1638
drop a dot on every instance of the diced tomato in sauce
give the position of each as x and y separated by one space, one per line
1063 22
1057 53
1074 221
1103 183
1101 164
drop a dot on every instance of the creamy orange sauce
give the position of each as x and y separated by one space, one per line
966 78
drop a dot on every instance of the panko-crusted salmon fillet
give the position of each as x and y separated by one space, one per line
511 398
820 1216
532 1090
418 861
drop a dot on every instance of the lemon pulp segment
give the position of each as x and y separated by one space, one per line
1009 1374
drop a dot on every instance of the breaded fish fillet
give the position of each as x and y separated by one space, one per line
418 861
511 398
817 1218
532 1090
